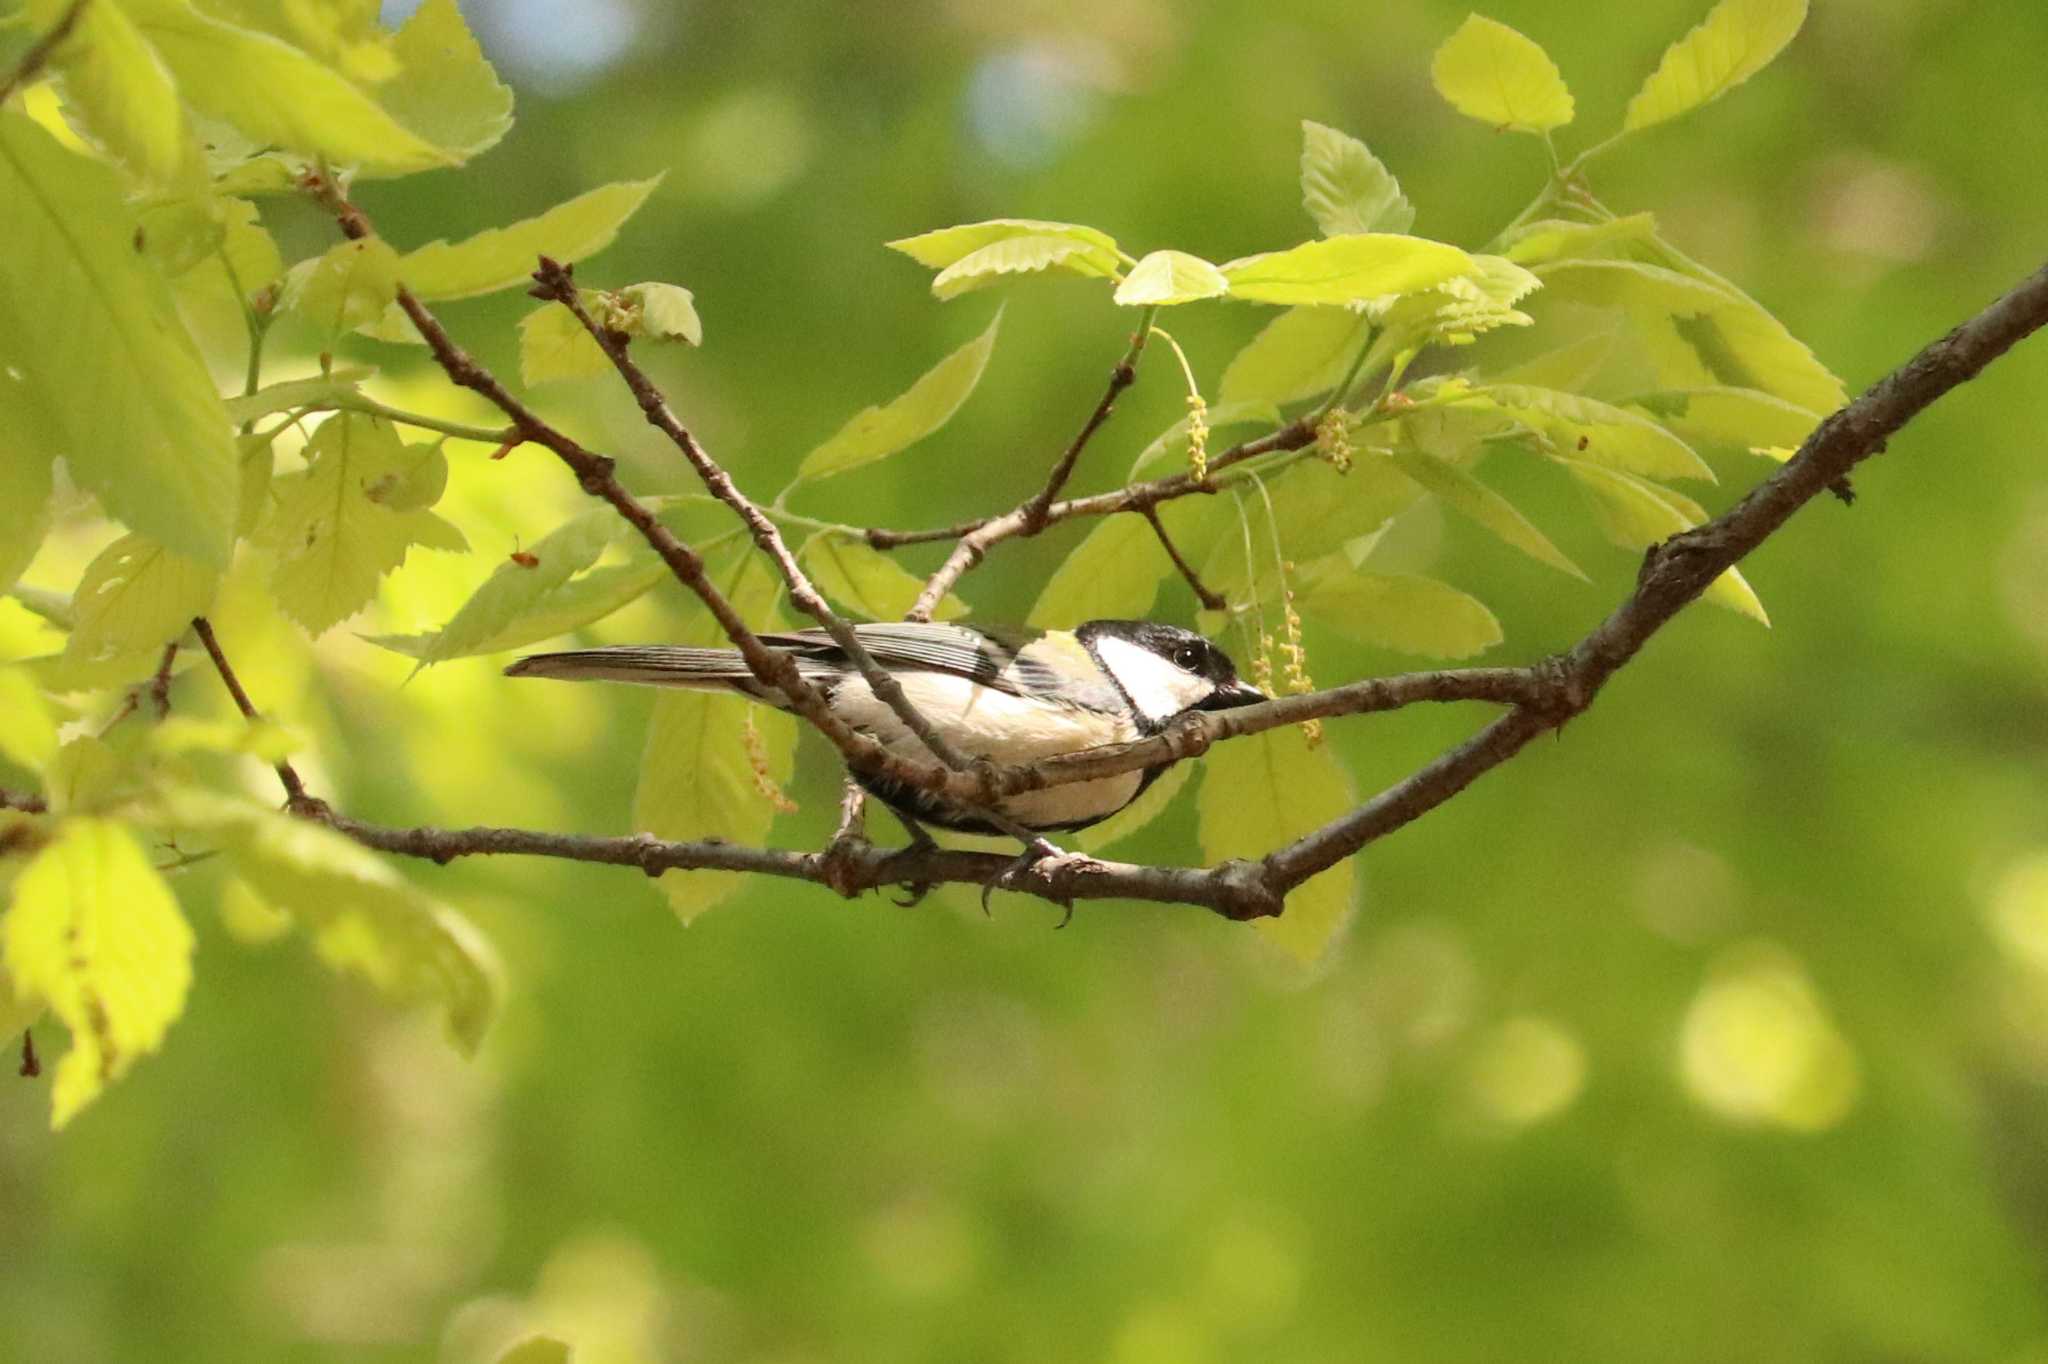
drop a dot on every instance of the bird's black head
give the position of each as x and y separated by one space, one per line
1163 670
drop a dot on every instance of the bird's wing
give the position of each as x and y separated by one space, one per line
1022 663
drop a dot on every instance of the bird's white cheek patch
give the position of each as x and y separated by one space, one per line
1157 687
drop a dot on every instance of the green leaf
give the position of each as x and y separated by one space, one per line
502 257
320 390
696 778
1165 278
137 596
349 285
866 581
1737 39
28 729
1345 188
121 92
445 90
1554 238
246 263
878 432
1300 354
1172 443
662 312
1741 417
94 933
335 533
1488 71
1731 337
364 918
1460 309
1635 514
575 604
553 345
24 508
1467 495
1260 793
1150 804
1349 269
1113 574
518 587
950 245
1317 510
277 94
1598 432
1404 612
118 389
538 1350
1023 255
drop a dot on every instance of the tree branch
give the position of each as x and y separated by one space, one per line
1120 378
38 56
1212 600
25 801
294 788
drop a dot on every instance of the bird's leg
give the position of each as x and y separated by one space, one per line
1046 860
920 842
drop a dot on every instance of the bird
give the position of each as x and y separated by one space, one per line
1003 694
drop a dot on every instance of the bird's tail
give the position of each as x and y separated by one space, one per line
651 665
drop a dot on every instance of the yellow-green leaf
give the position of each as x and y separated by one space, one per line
878 432
662 312
1299 354
1743 417
1150 804
1169 277
575 604
1468 496
1023 255
445 90
866 581
278 94
553 346
94 933
1488 71
350 284
137 596
24 507
1400 611
363 917
335 533
28 729
1349 269
1261 792
696 775
1113 574
1635 514
121 91
1345 188
1172 443
949 245
1317 510
1600 433
1737 39
1555 238
518 587
538 1350
118 389
501 257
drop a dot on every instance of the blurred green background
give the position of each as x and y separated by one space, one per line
1717 1028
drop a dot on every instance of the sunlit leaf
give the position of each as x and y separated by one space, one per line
1348 269
575 604
878 432
364 918
1555 239
949 245
1113 574
1258 794
445 90
1401 611
1741 417
502 257
1172 443
1022 255
118 388
348 285
867 582
323 390
94 933
278 94
24 507
538 1350
28 727
1635 514
1463 307
518 587
1300 354
1169 277
137 595
1317 511
117 86
1488 71
663 312
553 345
1467 495
1597 432
334 533
1737 39
1345 188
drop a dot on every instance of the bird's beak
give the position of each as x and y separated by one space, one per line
1231 697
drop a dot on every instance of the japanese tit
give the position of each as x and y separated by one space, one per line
1010 696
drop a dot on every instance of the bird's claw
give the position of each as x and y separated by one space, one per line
840 865
1046 861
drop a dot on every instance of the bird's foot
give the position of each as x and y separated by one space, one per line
1046 861
840 864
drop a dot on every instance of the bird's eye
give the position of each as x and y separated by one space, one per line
1188 656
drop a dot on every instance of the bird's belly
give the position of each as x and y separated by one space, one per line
985 723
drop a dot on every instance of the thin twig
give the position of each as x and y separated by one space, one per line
38 56
1120 378
1210 599
294 788
160 684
